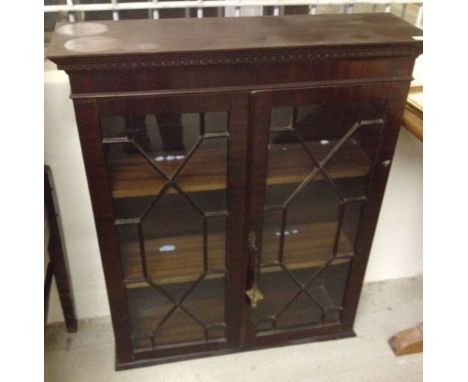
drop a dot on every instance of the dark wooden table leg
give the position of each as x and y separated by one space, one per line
47 286
57 265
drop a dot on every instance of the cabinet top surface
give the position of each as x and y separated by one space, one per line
169 36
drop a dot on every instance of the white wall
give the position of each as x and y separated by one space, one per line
63 155
397 249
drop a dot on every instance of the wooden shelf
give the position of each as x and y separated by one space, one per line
184 264
310 247
206 170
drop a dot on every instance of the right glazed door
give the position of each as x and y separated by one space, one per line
308 201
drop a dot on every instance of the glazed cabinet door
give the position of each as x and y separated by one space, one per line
171 170
320 160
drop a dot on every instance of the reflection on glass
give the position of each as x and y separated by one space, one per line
320 158
170 218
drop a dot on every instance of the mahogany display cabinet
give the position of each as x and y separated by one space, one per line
236 168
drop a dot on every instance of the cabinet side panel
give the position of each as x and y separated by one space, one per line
370 213
90 139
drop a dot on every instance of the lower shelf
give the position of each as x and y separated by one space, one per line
287 306
188 314
310 247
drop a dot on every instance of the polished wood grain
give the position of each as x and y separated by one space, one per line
236 256
252 66
153 37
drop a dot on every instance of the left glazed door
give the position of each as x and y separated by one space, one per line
175 169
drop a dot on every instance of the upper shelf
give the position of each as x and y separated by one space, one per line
209 37
288 163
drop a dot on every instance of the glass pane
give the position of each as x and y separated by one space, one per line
302 311
349 227
271 239
173 232
131 208
277 288
130 252
168 174
131 174
207 171
319 163
328 288
113 126
216 227
310 227
147 307
216 122
288 166
206 303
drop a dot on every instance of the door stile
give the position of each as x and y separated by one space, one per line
87 119
259 124
236 255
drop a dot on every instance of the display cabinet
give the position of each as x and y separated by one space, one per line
236 169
